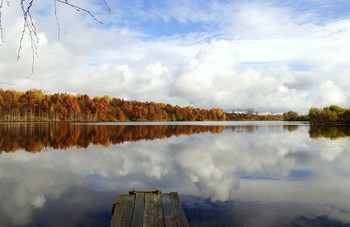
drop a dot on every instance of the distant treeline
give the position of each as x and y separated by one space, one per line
294 116
327 115
34 105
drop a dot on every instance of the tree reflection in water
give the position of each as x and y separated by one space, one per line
329 131
36 137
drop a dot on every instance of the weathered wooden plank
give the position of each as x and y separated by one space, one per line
118 210
122 211
147 209
137 219
144 191
180 217
158 210
169 218
128 211
148 214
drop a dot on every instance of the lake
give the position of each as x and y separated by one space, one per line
227 173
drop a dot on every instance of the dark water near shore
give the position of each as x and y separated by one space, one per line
227 173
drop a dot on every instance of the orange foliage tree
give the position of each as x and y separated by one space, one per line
34 105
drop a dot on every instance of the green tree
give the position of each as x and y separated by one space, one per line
328 115
331 114
346 116
291 116
315 115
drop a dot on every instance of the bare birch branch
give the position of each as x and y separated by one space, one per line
1 29
77 8
30 28
6 83
57 21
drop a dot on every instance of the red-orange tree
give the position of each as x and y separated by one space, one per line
34 105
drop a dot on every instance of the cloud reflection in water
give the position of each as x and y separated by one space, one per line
271 173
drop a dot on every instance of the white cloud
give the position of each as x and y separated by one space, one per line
331 93
240 60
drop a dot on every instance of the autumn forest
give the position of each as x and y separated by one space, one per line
35 105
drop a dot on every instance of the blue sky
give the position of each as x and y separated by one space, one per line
166 18
272 56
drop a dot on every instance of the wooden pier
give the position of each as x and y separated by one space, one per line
147 209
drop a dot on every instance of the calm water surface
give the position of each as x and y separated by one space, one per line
227 173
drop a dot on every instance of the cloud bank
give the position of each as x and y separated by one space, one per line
272 56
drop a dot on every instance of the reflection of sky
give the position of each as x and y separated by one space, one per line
269 166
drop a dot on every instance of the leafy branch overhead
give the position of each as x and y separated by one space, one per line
29 25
